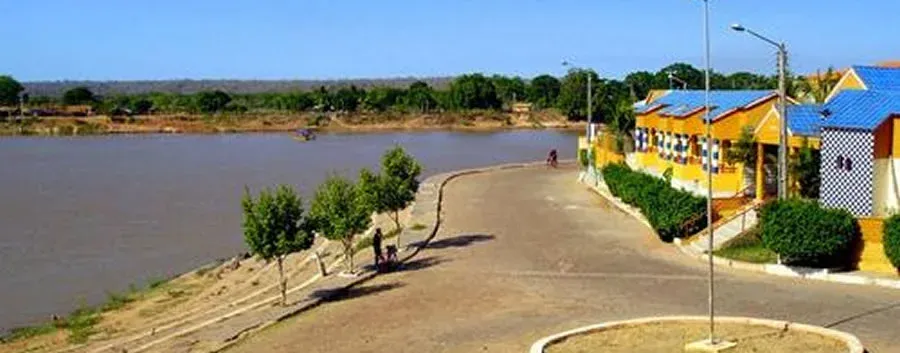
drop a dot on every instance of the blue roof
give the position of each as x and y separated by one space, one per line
879 78
861 109
680 103
804 120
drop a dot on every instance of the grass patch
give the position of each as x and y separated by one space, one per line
418 226
81 324
21 333
117 300
748 248
154 283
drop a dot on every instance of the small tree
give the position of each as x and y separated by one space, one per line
339 211
400 181
274 226
9 90
78 95
805 167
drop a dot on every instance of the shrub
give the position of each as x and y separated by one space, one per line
672 213
583 158
892 240
805 234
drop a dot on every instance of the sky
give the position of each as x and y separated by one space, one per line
333 39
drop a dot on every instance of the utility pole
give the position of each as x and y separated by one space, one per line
782 130
782 108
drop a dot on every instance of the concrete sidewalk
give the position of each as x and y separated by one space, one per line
850 277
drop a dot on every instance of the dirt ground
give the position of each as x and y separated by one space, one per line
671 337
250 122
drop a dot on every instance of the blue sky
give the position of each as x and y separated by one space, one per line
312 39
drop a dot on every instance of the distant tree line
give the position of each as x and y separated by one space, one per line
611 97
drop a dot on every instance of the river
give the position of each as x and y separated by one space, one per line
83 216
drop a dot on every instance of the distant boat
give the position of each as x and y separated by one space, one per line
304 135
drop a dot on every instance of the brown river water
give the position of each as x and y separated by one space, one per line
80 217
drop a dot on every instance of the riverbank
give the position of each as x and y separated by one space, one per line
256 122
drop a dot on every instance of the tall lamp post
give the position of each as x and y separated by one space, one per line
711 344
589 135
782 107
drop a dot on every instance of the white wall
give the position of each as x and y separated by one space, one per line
887 187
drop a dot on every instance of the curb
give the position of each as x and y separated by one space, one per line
853 344
808 273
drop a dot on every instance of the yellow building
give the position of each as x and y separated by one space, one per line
670 135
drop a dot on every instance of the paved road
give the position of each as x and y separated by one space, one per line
526 253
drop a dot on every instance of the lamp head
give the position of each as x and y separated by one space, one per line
738 27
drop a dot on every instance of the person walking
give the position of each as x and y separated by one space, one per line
376 247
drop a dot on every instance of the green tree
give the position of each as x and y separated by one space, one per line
340 210
572 100
641 82
509 89
323 99
744 149
816 88
141 106
805 165
543 91
347 99
78 96
621 121
420 96
473 91
694 78
380 99
395 188
212 102
275 226
9 90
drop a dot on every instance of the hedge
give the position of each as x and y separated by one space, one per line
892 240
804 233
672 213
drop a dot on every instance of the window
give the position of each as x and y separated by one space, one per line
844 163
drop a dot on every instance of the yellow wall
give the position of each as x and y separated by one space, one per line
895 150
604 151
849 81
767 132
872 256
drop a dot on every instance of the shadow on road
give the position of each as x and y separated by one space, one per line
334 295
458 241
420 264
864 314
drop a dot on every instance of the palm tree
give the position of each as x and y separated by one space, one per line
815 89
621 121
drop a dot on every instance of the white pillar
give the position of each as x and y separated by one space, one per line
715 156
704 153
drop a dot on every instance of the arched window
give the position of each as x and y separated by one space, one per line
848 164
840 163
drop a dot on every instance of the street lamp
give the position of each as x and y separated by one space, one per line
590 112
782 107
674 78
